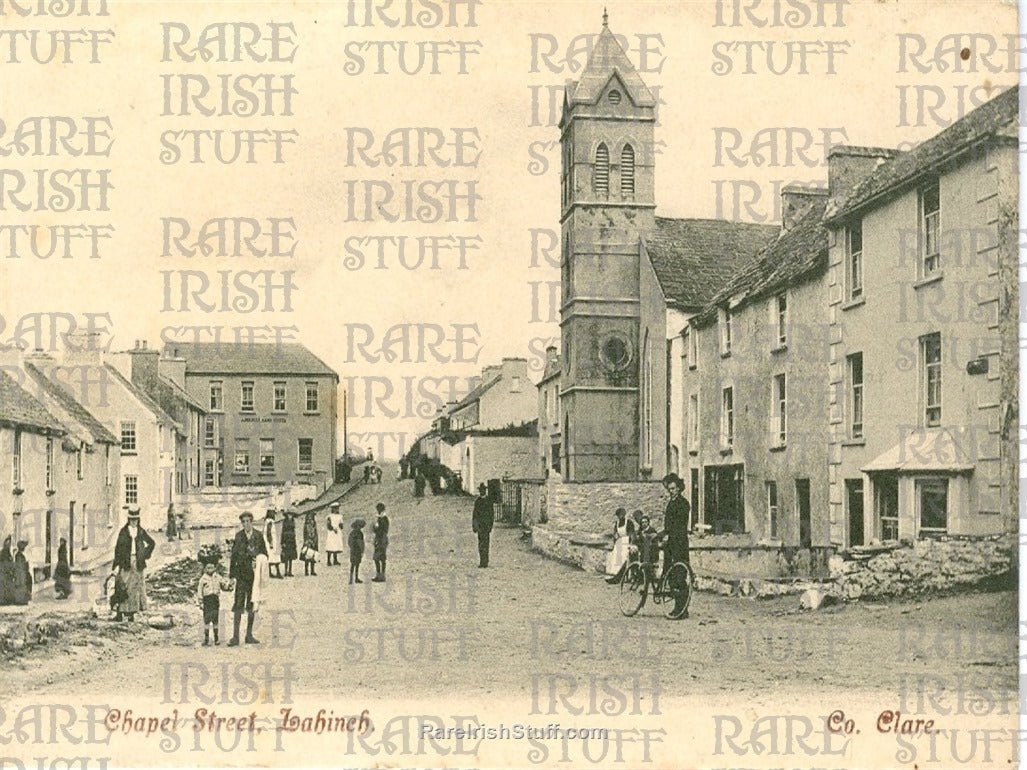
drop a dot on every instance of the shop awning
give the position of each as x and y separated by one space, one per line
937 450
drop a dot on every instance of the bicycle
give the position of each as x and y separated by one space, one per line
639 580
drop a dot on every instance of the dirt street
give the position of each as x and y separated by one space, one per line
532 628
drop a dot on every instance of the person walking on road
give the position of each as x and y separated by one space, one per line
481 523
334 539
248 544
380 528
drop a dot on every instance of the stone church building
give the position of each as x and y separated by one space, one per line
630 278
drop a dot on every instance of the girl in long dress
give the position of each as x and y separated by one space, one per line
623 529
309 552
335 540
271 540
288 553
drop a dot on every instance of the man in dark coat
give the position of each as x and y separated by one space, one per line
481 522
675 524
247 545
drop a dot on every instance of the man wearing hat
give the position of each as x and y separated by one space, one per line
247 545
675 524
481 522
334 540
131 552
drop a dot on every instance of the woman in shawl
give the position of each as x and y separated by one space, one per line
6 573
273 543
22 575
288 552
131 552
309 552
62 575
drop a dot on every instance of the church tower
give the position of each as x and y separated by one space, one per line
607 205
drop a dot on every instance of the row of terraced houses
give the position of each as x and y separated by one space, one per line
86 433
844 378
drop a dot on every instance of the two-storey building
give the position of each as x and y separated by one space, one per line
29 441
924 355
271 410
86 468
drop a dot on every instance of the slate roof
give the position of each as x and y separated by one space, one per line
787 260
69 403
476 393
251 358
693 258
607 58
18 407
145 399
906 168
553 368
172 398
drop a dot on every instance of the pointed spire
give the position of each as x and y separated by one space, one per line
606 17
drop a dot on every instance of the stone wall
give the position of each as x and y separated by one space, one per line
590 506
925 567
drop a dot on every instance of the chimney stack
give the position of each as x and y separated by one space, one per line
796 199
848 165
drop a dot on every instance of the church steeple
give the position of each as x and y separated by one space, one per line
607 204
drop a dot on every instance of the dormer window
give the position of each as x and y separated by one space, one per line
601 173
614 96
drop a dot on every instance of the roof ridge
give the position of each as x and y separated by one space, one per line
143 397
87 420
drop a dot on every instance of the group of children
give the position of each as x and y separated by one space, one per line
212 583
380 529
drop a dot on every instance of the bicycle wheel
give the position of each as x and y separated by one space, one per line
633 589
677 590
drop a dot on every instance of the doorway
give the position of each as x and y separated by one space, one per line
886 494
48 549
695 495
71 534
802 507
854 511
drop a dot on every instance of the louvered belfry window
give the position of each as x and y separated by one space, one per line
601 175
627 172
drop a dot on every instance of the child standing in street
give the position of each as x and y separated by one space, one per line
356 550
208 595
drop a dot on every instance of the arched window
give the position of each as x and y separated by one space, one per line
601 173
627 172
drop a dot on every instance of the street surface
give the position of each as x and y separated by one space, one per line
538 630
